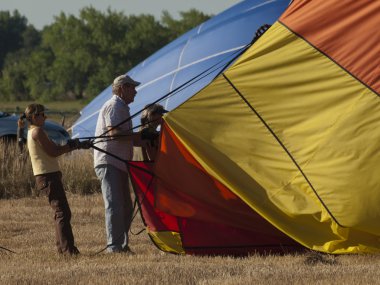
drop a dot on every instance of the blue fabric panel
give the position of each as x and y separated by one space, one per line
215 41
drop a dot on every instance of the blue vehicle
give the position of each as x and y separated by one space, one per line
8 129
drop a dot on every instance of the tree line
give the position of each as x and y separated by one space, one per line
77 57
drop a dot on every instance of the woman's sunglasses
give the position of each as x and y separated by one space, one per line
41 114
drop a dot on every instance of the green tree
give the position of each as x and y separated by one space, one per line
188 21
106 37
12 82
37 70
31 38
17 40
76 58
11 29
66 71
121 42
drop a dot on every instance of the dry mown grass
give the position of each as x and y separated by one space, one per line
27 228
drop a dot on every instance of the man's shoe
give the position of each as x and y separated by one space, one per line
128 251
74 251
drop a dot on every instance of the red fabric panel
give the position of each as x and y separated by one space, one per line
347 31
143 183
185 189
208 238
211 215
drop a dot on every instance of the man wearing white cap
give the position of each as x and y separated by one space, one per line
111 171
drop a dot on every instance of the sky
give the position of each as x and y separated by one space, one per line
41 12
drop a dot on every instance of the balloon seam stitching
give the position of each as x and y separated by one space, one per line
329 57
283 146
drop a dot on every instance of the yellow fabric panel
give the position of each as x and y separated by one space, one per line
167 241
326 120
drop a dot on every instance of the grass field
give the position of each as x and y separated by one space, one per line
27 228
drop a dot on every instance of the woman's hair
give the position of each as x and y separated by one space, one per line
149 112
32 109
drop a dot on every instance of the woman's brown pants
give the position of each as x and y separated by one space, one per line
50 184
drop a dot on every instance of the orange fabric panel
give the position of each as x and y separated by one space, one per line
349 33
